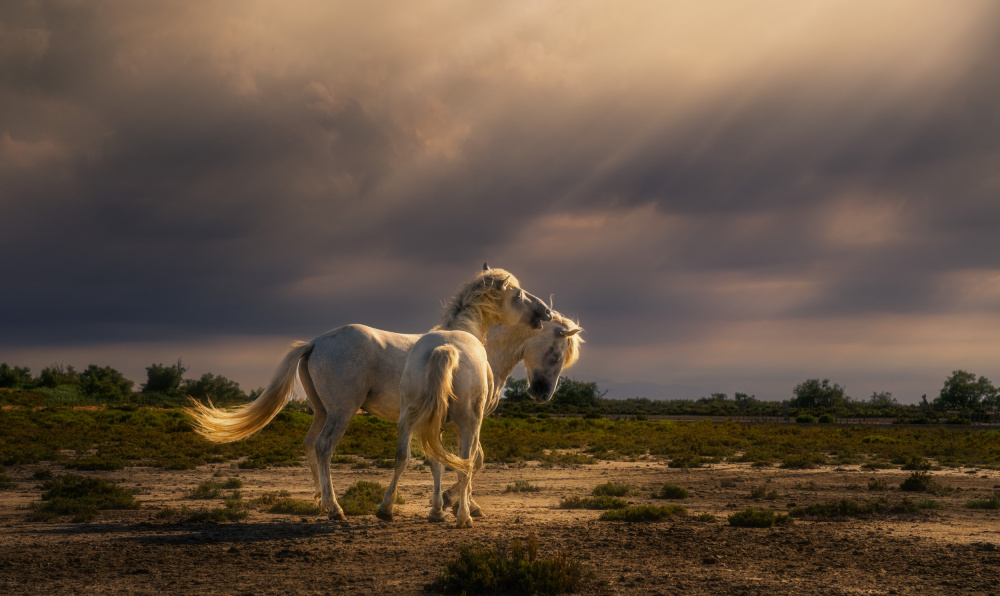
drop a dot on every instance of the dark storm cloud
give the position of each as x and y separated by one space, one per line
179 171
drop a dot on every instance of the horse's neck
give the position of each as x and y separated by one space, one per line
504 349
468 322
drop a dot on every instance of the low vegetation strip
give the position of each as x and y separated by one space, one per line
602 502
113 437
848 508
643 513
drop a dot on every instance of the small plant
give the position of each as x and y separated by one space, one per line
363 498
209 489
521 486
643 513
758 518
603 502
919 482
805 419
42 474
671 491
802 461
686 460
611 489
291 506
826 419
510 568
877 484
877 465
707 518
80 497
991 503
6 482
917 463
757 492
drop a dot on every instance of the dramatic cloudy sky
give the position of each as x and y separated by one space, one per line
730 196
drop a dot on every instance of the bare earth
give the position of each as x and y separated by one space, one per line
953 550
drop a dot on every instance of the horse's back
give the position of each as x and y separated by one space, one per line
359 366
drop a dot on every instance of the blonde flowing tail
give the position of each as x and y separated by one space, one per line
428 418
226 426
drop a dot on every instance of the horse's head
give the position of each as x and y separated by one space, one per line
546 354
519 306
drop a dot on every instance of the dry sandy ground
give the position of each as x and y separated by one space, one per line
950 551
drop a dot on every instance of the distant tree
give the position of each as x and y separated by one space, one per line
105 383
217 389
814 393
577 393
56 375
516 390
14 376
882 399
164 379
962 390
715 397
744 401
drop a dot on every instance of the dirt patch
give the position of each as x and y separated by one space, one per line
946 551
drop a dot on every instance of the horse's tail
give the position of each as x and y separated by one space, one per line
430 415
226 426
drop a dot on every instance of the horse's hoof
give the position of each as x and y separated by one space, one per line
448 499
338 516
383 515
477 513
464 524
436 516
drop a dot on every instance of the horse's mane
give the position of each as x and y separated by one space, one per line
477 305
573 345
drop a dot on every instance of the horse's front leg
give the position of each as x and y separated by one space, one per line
437 500
384 511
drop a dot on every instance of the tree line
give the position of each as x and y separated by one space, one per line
964 396
164 386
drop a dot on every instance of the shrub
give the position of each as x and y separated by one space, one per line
513 568
643 513
97 462
363 498
291 506
757 492
671 491
6 482
877 484
802 461
105 383
80 497
521 486
991 503
611 489
602 502
919 482
758 518
826 419
707 518
805 419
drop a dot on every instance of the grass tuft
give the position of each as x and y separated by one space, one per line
611 489
513 568
671 491
991 503
758 518
82 497
363 498
643 513
604 502
521 486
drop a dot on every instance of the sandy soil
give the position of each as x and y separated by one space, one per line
950 551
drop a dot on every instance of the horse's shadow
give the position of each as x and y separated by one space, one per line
208 533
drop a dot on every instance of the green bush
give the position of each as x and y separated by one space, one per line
611 489
805 419
643 513
521 486
671 491
291 506
602 502
513 568
991 503
81 497
919 482
826 419
758 518
363 498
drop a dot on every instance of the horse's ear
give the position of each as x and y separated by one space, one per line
569 332
486 266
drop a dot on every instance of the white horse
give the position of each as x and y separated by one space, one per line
348 368
448 375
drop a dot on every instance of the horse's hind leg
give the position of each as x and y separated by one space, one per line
437 500
384 511
450 499
333 430
319 420
470 442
